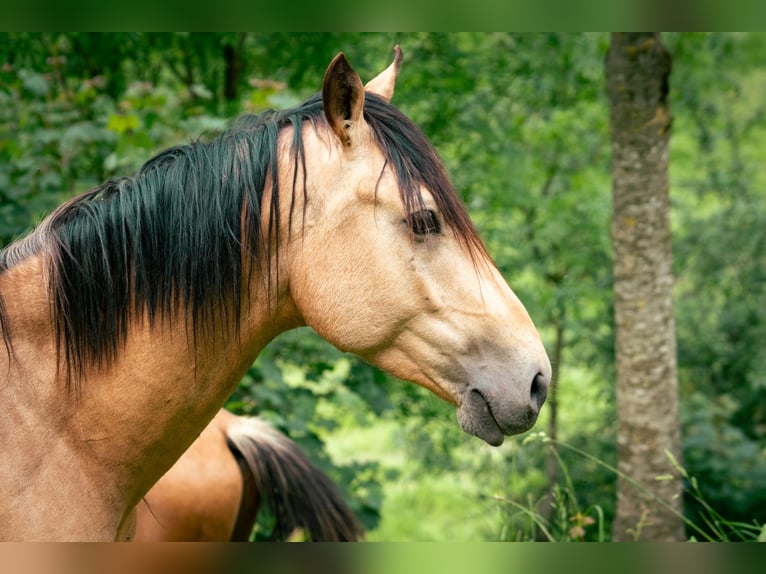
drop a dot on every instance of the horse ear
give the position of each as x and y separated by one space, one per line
383 83
342 97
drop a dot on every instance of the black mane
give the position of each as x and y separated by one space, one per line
172 237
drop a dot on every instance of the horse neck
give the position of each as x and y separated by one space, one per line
32 436
118 429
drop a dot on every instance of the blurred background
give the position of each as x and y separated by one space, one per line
521 121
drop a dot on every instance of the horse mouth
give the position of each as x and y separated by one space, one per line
476 417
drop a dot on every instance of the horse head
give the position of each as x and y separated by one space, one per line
389 267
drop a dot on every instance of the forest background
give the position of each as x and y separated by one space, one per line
522 123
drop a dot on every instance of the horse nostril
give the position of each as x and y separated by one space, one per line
539 390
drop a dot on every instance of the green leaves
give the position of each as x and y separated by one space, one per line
34 82
122 123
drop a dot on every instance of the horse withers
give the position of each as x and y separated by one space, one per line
131 312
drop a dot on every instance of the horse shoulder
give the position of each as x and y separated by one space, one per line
198 498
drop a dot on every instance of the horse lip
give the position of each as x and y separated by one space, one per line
476 417
489 410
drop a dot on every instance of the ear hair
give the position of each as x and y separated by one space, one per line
342 97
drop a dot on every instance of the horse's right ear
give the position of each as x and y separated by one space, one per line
342 98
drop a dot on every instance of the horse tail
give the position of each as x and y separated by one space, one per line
279 474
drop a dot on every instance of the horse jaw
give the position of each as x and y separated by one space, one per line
496 377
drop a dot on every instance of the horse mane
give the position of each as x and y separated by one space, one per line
180 234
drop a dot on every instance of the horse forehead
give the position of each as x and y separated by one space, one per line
326 159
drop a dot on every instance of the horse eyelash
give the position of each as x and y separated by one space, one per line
425 222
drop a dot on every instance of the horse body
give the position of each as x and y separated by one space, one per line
214 491
131 312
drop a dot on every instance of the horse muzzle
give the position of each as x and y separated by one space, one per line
492 412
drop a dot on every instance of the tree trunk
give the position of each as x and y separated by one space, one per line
233 56
552 464
547 509
637 71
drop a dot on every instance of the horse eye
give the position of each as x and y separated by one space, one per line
424 223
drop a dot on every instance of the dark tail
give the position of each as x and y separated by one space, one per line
299 494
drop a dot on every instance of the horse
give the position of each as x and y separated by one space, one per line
130 313
213 493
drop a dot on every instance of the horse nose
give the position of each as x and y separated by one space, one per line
538 392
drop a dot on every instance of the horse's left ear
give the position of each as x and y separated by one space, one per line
383 83
342 98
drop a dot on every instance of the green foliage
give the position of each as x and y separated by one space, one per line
730 467
47 141
720 241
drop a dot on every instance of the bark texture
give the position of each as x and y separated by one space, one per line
637 71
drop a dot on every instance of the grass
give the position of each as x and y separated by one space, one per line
445 506
457 505
569 520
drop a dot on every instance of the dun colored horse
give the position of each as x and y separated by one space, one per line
132 311
237 465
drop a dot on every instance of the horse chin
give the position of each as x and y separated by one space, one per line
476 418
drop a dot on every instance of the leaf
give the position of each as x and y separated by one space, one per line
201 91
50 181
83 133
34 82
122 124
